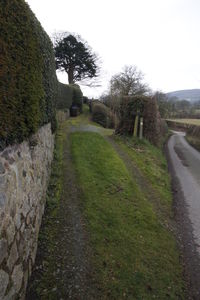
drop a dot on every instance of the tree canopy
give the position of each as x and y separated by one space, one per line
173 106
129 82
75 57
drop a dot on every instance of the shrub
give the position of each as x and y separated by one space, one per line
99 114
146 107
28 80
194 130
102 115
152 121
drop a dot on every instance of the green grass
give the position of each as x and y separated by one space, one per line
193 141
49 228
47 234
55 182
83 119
152 163
135 257
187 121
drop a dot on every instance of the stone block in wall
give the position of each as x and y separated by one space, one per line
3 249
17 277
24 174
4 281
13 257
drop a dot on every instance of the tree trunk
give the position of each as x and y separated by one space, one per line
71 76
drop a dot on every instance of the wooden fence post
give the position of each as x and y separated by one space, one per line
141 128
136 126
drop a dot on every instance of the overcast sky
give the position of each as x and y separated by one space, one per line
160 37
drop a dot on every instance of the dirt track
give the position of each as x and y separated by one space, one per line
184 165
69 271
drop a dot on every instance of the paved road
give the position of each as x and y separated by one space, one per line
186 162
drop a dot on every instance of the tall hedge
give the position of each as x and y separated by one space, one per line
68 95
28 80
65 96
144 106
77 96
101 114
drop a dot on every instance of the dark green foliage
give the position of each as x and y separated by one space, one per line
68 95
85 100
102 115
145 107
75 58
27 73
77 96
65 96
50 82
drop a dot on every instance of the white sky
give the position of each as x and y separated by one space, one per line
160 37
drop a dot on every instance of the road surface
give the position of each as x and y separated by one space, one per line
184 164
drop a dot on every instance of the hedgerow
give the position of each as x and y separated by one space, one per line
68 95
102 115
28 80
143 106
77 96
64 97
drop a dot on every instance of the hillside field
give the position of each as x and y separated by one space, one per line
186 121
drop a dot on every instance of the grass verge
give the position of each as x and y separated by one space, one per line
193 141
135 257
42 278
83 119
152 164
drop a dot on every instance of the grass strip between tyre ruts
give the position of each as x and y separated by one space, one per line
134 256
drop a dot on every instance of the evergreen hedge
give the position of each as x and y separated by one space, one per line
28 80
69 95
64 97
77 96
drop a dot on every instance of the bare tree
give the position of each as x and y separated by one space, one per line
129 82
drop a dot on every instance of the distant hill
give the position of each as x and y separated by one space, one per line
190 95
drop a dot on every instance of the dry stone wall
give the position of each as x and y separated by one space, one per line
24 173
